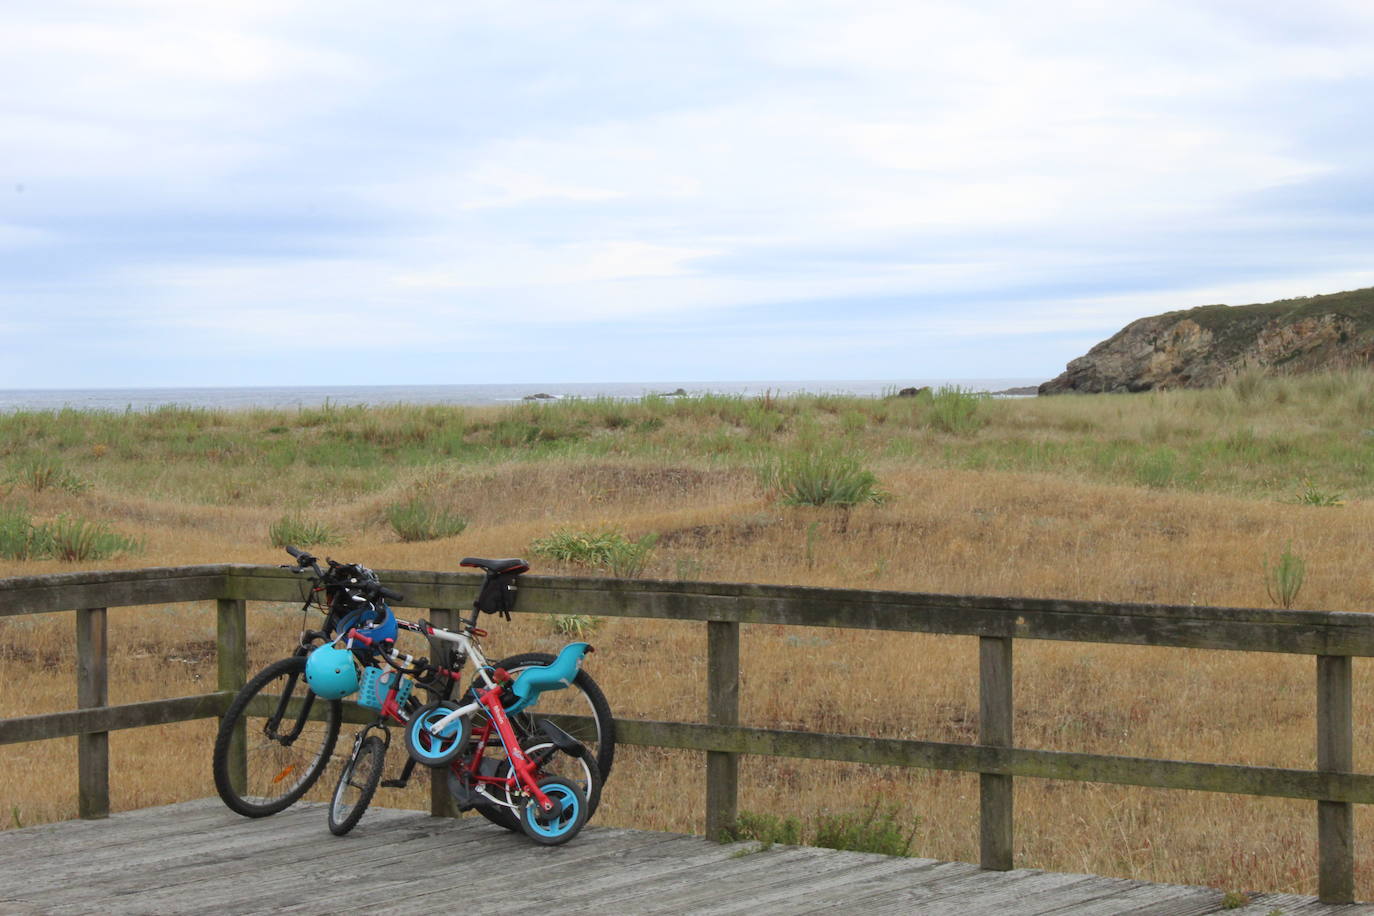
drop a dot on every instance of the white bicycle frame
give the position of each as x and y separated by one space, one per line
471 651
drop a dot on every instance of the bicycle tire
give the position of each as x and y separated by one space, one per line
553 703
279 769
562 828
357 784
582 772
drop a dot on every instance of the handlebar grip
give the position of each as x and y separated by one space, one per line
389 594
365 640
294 551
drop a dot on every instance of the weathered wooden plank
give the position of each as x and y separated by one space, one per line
112 718
141 861
680 879
991 895
786 885
1142 771
1247 629
219 862
1335 754
302 863
722 708
92 690
1043 894
594 869
995 815
111 588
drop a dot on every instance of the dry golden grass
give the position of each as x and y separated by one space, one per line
944 529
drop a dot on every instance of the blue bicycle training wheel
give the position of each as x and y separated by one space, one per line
436 750
564 822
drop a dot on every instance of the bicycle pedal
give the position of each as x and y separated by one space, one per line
394 783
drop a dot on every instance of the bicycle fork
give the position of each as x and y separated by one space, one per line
523 770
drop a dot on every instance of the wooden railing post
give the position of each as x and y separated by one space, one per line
440 800
92 689
722 708
1335 754
995 728
231 657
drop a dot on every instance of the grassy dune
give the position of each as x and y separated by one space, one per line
1175 497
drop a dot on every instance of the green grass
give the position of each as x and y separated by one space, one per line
1264 437
417 520
298 531
607 550
822 477
878 828
69 539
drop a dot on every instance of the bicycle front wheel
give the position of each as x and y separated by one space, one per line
274 741
357 784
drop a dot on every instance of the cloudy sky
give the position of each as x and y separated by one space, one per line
266 192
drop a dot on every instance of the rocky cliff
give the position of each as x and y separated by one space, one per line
1206 346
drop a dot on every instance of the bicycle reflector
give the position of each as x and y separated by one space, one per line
331 673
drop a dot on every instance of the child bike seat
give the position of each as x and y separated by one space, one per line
531 682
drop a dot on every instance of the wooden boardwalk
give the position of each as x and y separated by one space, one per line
197 857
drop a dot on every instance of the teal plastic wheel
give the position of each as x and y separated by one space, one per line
436 750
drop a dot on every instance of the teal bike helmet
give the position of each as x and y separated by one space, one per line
331 673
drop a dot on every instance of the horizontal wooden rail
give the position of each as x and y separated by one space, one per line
113 718
1005 761
1186 626
1332 637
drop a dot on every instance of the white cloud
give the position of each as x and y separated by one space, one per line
586 161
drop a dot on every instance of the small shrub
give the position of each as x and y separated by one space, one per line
607 550
767 829
874 830
824 477
301 532
877 829
956 411
42 474
1315 497
1234 900
20 539
1156 469
416 520
1284 579
74 540
71 540
1247 384
575 626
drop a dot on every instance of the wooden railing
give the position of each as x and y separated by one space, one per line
1334 638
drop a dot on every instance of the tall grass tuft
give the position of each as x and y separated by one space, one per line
877 829
417 520
20 539
296 530
46 474
956 411
823 477
607 550
75 540
1283 580
71 540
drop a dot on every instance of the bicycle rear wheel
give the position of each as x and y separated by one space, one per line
274 740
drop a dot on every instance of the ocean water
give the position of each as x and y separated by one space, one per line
139 399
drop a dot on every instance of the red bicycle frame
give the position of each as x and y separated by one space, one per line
523 772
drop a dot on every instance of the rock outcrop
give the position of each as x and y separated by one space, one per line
1209 345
